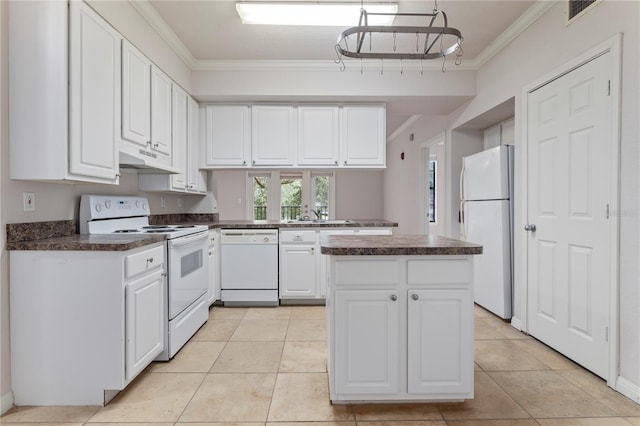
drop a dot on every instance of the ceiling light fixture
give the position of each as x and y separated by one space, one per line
426 41
312 13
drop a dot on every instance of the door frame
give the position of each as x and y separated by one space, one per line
425 153
613 46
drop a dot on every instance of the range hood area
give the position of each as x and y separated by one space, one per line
144 165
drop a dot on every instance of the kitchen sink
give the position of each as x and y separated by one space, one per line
323 221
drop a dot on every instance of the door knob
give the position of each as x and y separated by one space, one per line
531 228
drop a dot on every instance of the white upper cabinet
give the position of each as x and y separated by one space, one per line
65 104
179 132
326 136
272 135
362 136
318 135
136 96
227 135
196 179
161 92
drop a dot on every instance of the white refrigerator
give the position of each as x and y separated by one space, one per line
487 218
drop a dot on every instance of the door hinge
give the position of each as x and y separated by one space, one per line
607 211
606 334
609 88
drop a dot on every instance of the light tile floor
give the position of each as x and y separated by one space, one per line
251 366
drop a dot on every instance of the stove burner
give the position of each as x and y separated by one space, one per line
124 231
160 231
155 227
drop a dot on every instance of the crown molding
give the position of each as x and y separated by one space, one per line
537 9
154 19
328 65
165 32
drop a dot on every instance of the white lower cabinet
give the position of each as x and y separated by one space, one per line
366 342
400 328
298 271
439 341
144 318
302 266
84 323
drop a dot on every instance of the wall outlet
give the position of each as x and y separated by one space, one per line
29 201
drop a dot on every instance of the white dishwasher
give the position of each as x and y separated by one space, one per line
249 267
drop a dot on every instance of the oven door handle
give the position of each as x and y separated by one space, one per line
177 242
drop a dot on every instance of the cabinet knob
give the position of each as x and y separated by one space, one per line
345 162
336 162
393 297
150 260
253 162
244 162
415 296
313 250
530 228
155 145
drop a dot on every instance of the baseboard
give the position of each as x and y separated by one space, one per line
516 323
7 402
628 389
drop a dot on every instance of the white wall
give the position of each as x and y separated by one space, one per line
543 47
402 177
359 194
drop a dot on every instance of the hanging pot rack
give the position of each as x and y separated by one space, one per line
433 48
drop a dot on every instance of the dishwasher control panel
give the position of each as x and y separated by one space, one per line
249 236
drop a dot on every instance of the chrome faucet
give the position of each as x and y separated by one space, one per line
317 213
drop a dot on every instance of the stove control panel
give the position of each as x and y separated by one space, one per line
94 207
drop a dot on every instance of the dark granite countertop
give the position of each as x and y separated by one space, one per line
61 235
258 224
86 242
396 245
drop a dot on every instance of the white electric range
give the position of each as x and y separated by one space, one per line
187 264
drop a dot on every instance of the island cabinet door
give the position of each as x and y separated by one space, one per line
366 341
440 341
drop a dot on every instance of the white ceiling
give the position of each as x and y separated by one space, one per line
211 31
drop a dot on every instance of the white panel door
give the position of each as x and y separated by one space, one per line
161 92
488 223
440 336
136 96
366 341
95 94
144 300
569 155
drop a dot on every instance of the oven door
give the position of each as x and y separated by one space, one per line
188 267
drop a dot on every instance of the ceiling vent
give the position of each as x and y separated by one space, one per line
578 8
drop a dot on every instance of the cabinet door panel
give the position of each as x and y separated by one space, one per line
179 139
136 96
161 92
272 135
440 337
318 136
144 300
297 271
366 342
362 136
95 94
228 133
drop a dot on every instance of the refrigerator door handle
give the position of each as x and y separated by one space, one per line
462 183
463 223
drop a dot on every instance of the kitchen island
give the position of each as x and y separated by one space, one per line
399 318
